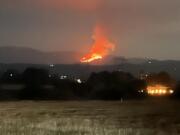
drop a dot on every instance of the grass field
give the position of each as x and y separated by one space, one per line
151 117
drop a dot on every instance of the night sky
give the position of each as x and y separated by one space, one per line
139 28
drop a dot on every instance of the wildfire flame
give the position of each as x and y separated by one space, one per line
101 47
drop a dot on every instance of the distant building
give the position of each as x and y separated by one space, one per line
159 90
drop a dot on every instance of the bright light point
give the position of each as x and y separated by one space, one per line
171 91
63 77
159 90
79 81
164 91
51 65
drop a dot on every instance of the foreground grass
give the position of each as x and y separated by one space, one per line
90 118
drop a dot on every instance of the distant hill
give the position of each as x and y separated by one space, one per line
68 63
28 55
84 70
31 56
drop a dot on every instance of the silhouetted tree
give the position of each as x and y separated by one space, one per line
8 78
11 76
114 86
161 78
138 88
65 89
176 93
34 79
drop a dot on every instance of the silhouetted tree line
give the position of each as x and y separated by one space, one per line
114 86
39 84
162 78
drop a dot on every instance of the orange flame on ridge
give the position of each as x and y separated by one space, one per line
101 47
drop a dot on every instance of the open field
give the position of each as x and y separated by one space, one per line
151 117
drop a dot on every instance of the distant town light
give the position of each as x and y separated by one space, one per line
63 77
164 91
159 90
79 81
141 91
11 75
171 91
51 65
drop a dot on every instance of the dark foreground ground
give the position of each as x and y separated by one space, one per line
150 117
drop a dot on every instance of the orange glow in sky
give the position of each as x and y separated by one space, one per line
100 48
